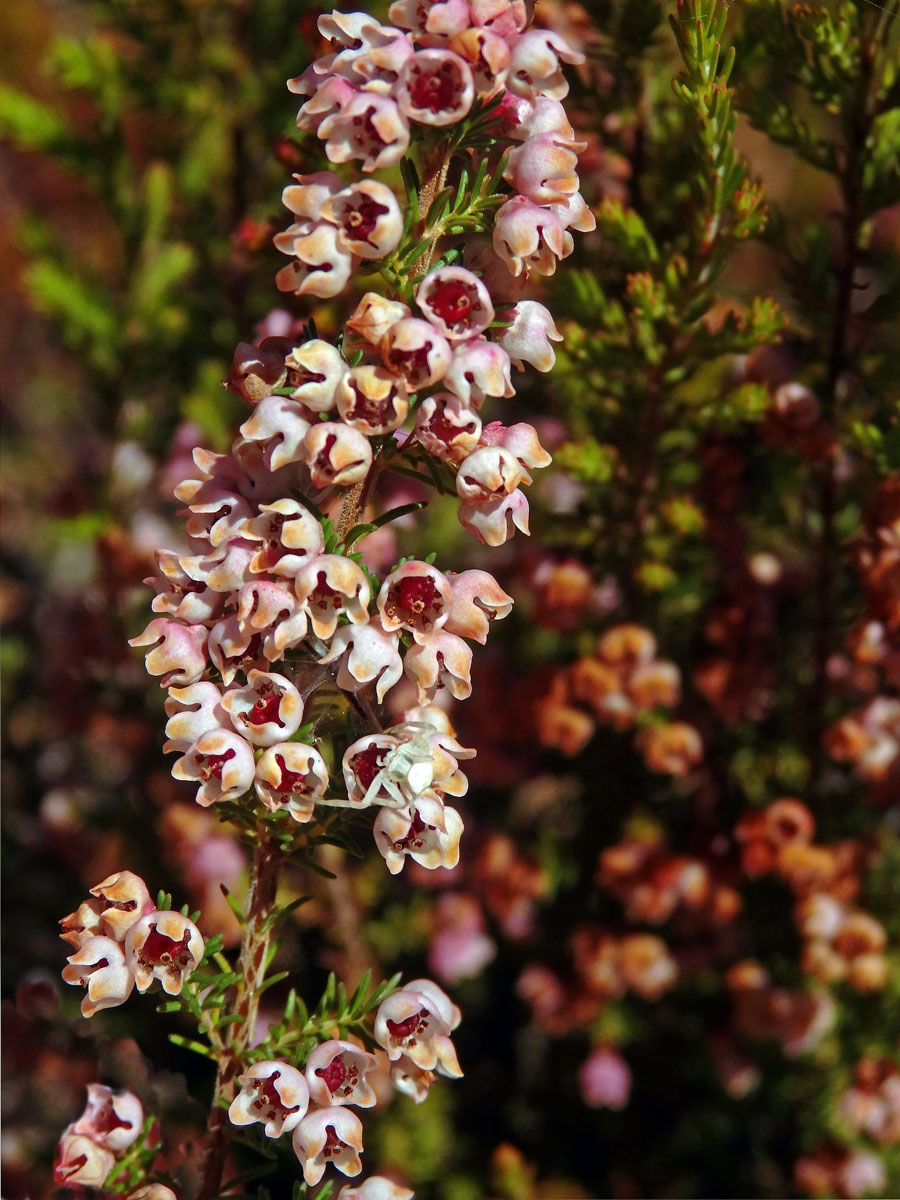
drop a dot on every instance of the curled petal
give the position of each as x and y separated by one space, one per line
494 523
124 900
328 1135
336 1073
100 966
164 946
366 653
222 762
329 585
272 1092
528 339
337 454
369 218
178 651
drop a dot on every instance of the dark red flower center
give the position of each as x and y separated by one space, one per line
361 219
452 302
433 88
264 710
414 600
400 1031
295 782
211 765
159 949
367 763
106 1119
334 1074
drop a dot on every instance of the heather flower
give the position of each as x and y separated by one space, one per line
178 652
428 832
164 946
289 534
267 710
495 522
441 18
123 899
456 302
234 647
222 762
328 1136
488 57
278 425
81 1162
528 338
530 238
535 66
368 217
414 349
382 768
324 262
489 473
84 923
330 586
542 169
446 428
317 373
307 197
368 127
416 1022
224 570
179 596
444 661
99 965
272 1092
256 370
435 87
269 609
415 597
336 1073
375 400
366 653
337 454
112 1119
374 316
291 775
479 369
476 601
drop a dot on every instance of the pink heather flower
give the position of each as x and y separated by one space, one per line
294 776
99 965
535 66
337 454
373 55
444 661
414 349
328 1135
503 17
442 18
324 263
179 596
374 316
435 87
488 57
279 425
327 99
368 216
495 522
445 750
112 1119
317 372
81 1162
575 214
479 368
604 1079
446 428
456 302
336 1073
528 338
489 473
224 570
123 899
386 769
428 832
233 647
330 585
178 652
268 608
256 370
530 238
164 946
84 923
366 653
272 1092
267 710
217 514
460 947
416 1022
477 600
222 762
411 1080
375 401
290 534
415 597
307 197
377 1187
368 127
524 119
520 440
543 169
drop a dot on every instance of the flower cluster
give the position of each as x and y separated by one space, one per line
413 1027
123 941
88 1148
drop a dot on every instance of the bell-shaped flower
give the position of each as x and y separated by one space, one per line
328 1136
446 752
530 238
294 776
495 523
383 769
441 18
456 302
308 196
257 370
374 316
368 127
224 570
417 1024
503 17
316 371
279 425
223 763
444 661
112 1119
543 169
489 473
535 67
178 652
267 710
375 55
328 98
81 1162
375 401
192 711
234 647
336 1073
411 1080
268 608
289 534
438 998
528 338
179 596
273 1092
414 349
84 923
479 368
524 118
165 946
415 597
521 440
337 454
369 218
100 966
330 585
376 1187
428 832
488 57
217 515
446 428
324 264
435 87
124 899
477 600
366 653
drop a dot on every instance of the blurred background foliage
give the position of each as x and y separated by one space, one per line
145 146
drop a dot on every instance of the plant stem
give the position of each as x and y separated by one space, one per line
264 872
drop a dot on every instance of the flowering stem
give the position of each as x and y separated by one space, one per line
264 872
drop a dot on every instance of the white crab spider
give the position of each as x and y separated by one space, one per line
407 770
